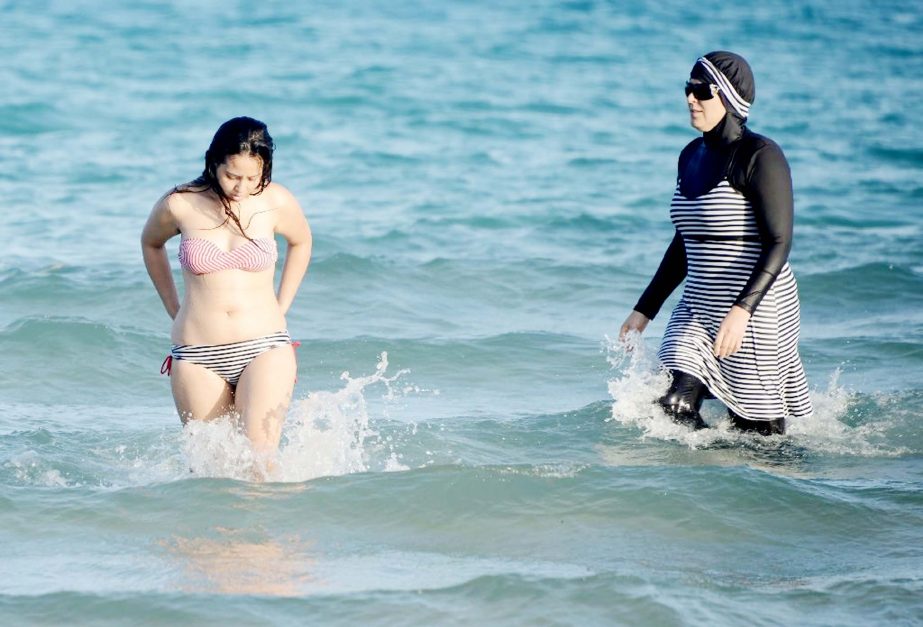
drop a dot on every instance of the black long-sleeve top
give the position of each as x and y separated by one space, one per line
754 165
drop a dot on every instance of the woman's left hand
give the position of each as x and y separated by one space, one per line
731 332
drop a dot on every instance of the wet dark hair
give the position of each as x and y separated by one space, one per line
237 136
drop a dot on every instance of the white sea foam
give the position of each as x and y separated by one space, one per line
327 434
330 431
640 381
824 431
635 392
30 468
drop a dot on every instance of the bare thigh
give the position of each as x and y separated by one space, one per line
199 393
263 395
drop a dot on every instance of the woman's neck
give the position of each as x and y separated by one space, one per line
727 131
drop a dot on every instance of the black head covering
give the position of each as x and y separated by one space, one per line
732 74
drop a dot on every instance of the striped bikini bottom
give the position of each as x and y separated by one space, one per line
228 361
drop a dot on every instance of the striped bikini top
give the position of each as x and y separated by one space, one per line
201 256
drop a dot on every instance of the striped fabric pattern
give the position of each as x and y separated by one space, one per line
228 361
741 106
764 380
202 256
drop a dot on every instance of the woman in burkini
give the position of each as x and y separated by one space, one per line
734 333
232 354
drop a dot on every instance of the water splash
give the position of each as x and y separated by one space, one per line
330 433
29 468
217 448
828 431
635 393
642 381
326 434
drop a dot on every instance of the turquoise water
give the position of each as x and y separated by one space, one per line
488 185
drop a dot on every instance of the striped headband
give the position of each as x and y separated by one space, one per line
740 106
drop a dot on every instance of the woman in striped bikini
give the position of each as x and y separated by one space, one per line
734 333
231 320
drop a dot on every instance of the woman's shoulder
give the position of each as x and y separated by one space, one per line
180 198
279 197
188 192
276 191
692 145
757 158
760 146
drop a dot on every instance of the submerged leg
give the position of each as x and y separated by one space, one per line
763 427
263 395
684 399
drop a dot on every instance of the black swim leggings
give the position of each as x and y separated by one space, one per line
683 401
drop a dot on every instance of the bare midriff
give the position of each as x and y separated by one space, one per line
227 306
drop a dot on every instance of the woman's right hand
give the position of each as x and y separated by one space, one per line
636 321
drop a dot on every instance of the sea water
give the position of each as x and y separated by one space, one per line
488 186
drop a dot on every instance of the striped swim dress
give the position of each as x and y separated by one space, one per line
765 379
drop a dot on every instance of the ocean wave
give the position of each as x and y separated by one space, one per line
31 118
879 285
37 280
75 358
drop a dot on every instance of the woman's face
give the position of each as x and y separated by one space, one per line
704 115
239 176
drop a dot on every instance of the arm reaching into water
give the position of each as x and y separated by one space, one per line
635 322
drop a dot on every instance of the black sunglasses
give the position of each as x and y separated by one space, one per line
701 91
